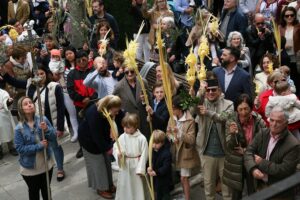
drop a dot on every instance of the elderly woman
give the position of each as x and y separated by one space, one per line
159 10
240 131
30 145
262 77
235 39
129 90
94 137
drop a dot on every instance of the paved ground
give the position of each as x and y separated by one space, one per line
74 187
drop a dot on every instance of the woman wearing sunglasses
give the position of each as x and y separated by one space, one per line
130 91
290 29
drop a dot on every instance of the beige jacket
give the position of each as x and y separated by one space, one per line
22 13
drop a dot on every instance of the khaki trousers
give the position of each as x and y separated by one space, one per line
212 168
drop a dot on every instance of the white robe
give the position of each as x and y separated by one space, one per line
6 126
130 185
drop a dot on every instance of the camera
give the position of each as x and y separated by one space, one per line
262 29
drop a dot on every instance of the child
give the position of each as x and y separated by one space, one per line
134 147
161 166
285 70
6 127
56 64
158 112
183 138
289 102
118 61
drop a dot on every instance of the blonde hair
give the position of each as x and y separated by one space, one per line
131 120
108 102
158 136
274 76
20 109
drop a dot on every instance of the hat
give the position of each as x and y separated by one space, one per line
55 52
212 83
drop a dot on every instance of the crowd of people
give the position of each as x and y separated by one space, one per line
242 133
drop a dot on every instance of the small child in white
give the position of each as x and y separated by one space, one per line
56 64
288 102
134 147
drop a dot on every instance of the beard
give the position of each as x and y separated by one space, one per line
224 63
103 73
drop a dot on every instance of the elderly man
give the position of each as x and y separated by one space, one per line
232 18
273 154
210 140
233 79
259 39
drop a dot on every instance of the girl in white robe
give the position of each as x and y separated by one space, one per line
6 126
134 147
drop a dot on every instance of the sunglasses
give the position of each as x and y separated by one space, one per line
211 89
129 72
291 15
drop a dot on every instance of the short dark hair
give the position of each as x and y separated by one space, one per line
243 98
177 102
81 53
12 21
235 52
101 2
18 52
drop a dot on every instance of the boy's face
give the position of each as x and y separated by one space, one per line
117 64
157 146
129 130
159 93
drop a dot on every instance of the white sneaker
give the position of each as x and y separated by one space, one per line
74 138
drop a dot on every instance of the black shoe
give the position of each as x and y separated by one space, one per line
79 153
13 152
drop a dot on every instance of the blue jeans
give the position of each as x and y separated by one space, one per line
58 154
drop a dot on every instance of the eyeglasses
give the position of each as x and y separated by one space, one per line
287 16
211 90
129 72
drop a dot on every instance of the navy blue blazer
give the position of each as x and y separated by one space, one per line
239 84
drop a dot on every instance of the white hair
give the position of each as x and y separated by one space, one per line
169 20
230 36
281 110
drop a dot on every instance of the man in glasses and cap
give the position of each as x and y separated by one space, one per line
211 119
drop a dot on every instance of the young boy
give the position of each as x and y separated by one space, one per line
158 112
134 147
161 166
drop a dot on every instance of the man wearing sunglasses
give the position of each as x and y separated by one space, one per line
130 92
259 39
210 139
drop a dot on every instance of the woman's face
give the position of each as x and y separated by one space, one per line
161 4
129 74
266 62
114 111
289 17
158 73
244 110
49 44
70 56
236 41
28 106
50 26
42 75
103 30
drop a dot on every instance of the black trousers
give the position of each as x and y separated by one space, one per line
37 183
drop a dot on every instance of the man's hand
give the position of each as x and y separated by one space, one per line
189 10
257 159
85 101
202 109
239 150
257 174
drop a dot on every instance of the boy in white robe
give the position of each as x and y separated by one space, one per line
134 147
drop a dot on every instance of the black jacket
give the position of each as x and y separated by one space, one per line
161 117
94 131
161 161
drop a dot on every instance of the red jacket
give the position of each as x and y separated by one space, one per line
76 89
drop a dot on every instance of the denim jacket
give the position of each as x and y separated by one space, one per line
25 141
